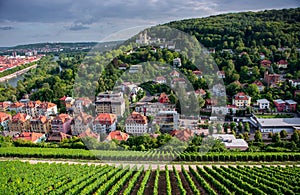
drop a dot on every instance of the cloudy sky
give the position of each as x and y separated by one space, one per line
32 21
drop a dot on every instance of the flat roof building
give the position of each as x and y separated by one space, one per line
278 124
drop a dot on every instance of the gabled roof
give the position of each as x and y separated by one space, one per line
105 118
117 135
197 72
40 119
20 117
282 62
258 83
88 133
83 118
58 136
4 117
183 135
174 73
62 117
241 96
16 105
29 136
136 118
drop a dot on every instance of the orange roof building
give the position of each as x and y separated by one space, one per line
105 123
4 120
47 109
241 100
117 135
183 135
20 122
81 123
40 124
163 98
136 124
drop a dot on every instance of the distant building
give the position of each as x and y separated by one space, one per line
231 142
259 85
221 74
47 109
136 124
262 56
160 80
163 98
282 64
31 137
135 68
20 122
174 73
183 135
266 63
57 136
278 124
241 100
151 109
271 78
181 82
294 82
263 104
200 92
68 102
105 123
117 135
280 105
81 103
16 107
4 106
81 123
177 62
4 120
109 102
61 123
290 105
198 74
167 120
40 124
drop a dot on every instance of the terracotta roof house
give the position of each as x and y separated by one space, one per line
89 133
4 106
200 92
17 107
57 136
163 98
4 120
31 137
183 135
136 124
241 100
174 73
20 122
265 63
105 123
47 109
117 135
81 122
180 81
259 85
221 74
271 78
198 73
282 64
160 80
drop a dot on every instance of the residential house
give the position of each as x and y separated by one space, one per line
290 105
81 123
200 92
123 66
81 104
183 135
89 133
160 80
30 107
68 102
294 82
174 73
231 109
181 82
136 124
4 120
209 103
40 124
109 102
105 123
227 51
61 123
30 136
266 63
241 100
282 64
263 104
47 109
4 106
221 74
198 74
271 78
20 122
259 85
167 120
177 62
57 136
163 98
117 135
16 107
262 56
280 105
151 109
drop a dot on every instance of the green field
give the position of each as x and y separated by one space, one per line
56 178
274 115
155 155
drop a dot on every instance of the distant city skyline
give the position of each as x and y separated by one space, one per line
36 21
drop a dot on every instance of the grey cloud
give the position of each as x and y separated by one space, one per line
6 28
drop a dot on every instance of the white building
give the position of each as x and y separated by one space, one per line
263 104
4 120
231 142
278 124
294 82
167 120
136 124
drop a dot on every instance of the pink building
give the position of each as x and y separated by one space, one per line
280 105
61 123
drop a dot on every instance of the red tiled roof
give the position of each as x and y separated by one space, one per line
200 91
88 133
258 83
29 136
266 62
282 62
117 135
16 105
163 98
174 73
41 119
20 117
183 135
62 117
241 96
4 116
84 118
104 118
197 72
136 117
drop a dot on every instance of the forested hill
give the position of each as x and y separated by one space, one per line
280 28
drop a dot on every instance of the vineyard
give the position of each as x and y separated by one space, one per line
44 178
154 155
